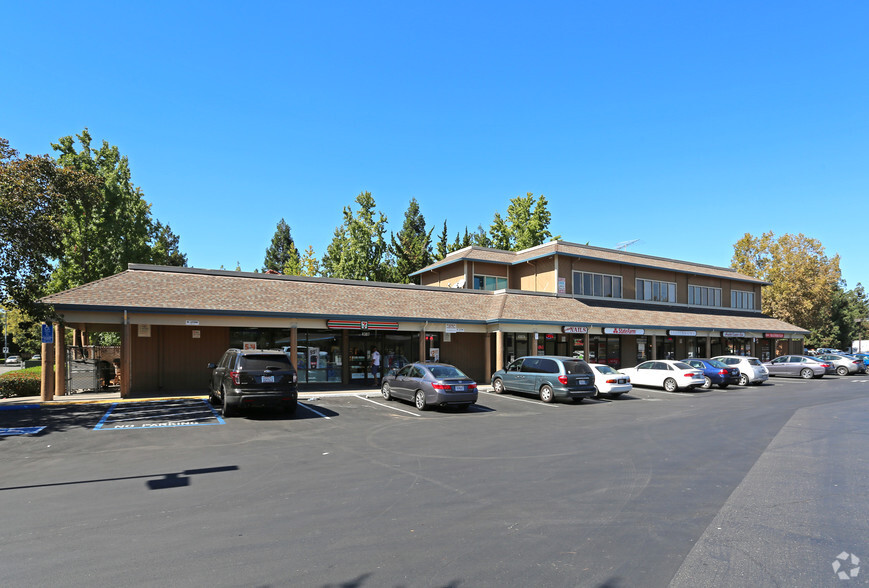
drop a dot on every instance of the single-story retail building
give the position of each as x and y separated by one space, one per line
478 308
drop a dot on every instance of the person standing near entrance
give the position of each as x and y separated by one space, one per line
375 365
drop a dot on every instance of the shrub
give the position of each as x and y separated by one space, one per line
24 382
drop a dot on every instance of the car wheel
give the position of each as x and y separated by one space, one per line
743 380
807 374
385 391
842 370
546 393
419 400
707 383
228 411
498 386
723 386
596 392
670 385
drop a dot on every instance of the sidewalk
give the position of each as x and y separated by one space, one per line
107 397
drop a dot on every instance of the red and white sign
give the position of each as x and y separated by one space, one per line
623 331
774 335
575 330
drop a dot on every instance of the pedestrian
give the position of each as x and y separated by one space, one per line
375 365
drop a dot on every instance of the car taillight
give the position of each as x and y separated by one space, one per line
690 374
612 381
234 376
723 372
437 386
563 380
472 386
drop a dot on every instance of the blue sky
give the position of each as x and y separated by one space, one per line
681 124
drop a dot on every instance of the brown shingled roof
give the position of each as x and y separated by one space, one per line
157 288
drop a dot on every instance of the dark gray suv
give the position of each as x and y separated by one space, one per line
253 377
549 376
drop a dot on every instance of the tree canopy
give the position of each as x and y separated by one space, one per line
526 225
282 255
411 247
358 249
802 278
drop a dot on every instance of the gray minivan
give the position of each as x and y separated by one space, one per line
548 376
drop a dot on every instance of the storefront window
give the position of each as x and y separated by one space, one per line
319 356
605 349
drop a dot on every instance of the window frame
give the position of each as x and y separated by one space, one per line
486 277
695 292
598 284
646 288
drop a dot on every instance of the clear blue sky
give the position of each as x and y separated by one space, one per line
682 124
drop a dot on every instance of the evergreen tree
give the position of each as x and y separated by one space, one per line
310 263
480 238
411 248
443 244
526 224
358 249
282 255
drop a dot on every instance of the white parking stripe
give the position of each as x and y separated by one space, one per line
314 411
416 414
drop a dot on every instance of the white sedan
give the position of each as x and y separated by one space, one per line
667 374
608 381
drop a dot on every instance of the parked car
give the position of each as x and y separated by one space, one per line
430 384
863 356
844 364
36 357
609 381
548 376
13 359
801 366
253 378
714 372
665 373
751 369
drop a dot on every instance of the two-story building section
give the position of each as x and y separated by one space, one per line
477 308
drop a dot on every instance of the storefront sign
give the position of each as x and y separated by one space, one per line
733 334
575 330
363 325
673 333
453 328
774 335
144 330
192 323
622 331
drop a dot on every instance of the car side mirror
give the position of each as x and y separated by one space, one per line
211 366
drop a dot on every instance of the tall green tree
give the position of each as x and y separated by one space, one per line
526 225
35 196
411 247
310 263
480 238
282 255
358 249
461 241
443 247
101 237
802 277
843 320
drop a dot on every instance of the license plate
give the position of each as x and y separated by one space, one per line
459 388
623 382
268 379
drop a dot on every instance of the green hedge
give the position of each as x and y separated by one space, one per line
20 383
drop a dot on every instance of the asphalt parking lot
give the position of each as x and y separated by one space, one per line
764 485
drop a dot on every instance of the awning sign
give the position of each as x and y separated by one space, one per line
774 335
363 325
453 328
575 330
623 331
733 334
673 333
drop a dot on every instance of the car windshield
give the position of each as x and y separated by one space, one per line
442 372
272 361
576 367
605 369
682 366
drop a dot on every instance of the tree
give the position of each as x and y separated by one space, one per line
843 319
282 255
358 250
411 247
35 194
102 237
480 238
443 245
310 263
461 242
802 278
526 224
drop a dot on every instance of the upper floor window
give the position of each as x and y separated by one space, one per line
703 296
742 299
654 291
602 285
490 283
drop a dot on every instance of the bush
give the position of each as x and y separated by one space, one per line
24 382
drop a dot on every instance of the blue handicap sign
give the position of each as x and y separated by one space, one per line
20 431
47 334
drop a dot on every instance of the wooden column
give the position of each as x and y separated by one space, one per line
422 356
126 359
499 350
654 347
586 346
345 353
59 359
294 348
488 355
708 346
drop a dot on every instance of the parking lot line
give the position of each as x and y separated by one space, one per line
416 414
316 412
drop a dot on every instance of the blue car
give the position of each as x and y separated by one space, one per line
862 356
714 372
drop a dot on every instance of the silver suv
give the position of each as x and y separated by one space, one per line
253 378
